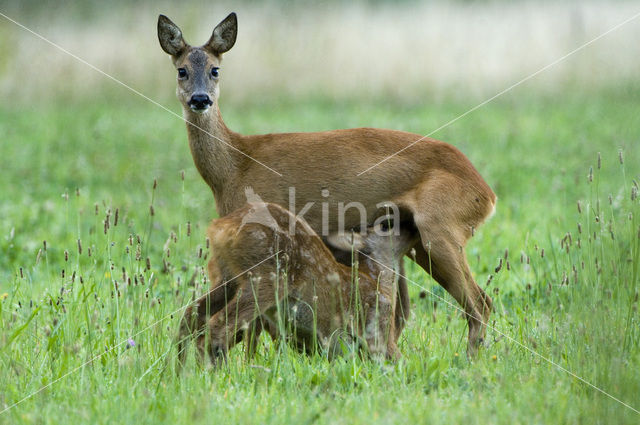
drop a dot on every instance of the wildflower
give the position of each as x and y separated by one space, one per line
130 343
499 267
4 296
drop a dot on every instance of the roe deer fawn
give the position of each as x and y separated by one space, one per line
430 181
317 296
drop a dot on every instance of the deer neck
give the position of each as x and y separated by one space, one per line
211 144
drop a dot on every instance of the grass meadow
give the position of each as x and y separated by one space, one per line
102 219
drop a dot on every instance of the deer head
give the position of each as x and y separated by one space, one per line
384 243
198 68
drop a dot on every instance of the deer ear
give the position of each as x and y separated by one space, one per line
224 35
170 36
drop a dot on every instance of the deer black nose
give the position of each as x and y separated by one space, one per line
200 101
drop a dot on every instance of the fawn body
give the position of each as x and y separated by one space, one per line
430 181
302 286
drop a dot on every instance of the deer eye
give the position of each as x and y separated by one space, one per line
182 73
214 72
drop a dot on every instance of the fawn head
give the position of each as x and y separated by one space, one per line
385 242
197 68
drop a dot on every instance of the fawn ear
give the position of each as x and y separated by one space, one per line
170 36
346 241
224 35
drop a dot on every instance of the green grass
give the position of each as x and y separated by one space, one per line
67 167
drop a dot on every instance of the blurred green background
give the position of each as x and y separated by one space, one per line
408 50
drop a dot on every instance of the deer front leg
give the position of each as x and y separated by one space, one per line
403 304
189 326
379 330
196 316
228 326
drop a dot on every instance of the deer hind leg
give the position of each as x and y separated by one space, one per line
444 259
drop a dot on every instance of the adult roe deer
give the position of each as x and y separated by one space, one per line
430 181
317 295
